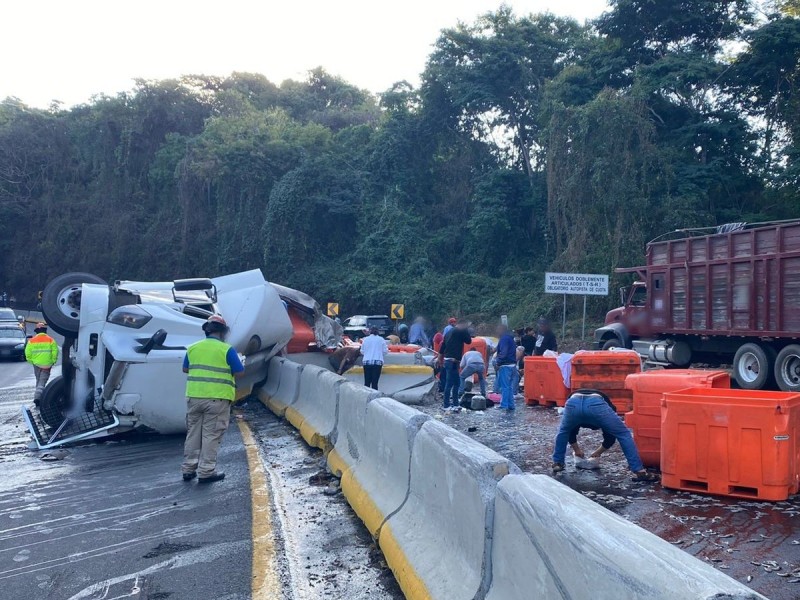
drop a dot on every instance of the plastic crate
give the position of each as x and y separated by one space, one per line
544 382
606 370
739 443
648 390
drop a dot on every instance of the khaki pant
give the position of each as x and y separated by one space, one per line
206 422
42 375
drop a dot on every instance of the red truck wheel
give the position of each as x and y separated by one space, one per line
787 368
753 366
612 343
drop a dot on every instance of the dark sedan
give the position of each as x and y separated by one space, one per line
12 343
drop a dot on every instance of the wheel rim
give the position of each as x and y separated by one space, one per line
69 301
790 370
749 368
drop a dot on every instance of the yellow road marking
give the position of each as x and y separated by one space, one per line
265 584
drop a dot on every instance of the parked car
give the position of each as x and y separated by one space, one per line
8 317
355 326
12 343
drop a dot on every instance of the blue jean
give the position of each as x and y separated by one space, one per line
468 372
507 381
451 381
592 410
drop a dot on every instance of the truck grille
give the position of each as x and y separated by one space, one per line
71 430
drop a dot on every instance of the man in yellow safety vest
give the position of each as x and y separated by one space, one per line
212 366
42 352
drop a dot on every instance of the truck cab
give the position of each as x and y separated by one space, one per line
627 322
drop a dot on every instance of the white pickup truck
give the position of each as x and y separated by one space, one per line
125 343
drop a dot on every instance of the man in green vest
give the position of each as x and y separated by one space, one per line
212 366
42 352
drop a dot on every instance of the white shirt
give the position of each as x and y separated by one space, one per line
373 349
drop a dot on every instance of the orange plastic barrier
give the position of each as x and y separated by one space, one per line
544 383
406 348
479 344
739 443
606 371
648 391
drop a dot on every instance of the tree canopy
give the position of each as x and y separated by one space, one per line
532 143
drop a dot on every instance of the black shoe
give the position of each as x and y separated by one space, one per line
212 478
189 476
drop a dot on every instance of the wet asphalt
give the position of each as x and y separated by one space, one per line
757 543
113 519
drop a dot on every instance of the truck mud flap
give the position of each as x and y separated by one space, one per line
73 429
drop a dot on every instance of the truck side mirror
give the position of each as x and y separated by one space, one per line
157 339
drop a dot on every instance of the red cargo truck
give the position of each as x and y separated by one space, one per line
731 297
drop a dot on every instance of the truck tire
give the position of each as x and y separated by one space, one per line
54 403
612 343
61 301
787 368
753 366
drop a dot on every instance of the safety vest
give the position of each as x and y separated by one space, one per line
209 373
41 351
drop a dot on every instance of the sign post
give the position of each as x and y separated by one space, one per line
333 309
398 312
579 284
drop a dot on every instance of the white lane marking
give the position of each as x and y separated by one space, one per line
184 559
176 532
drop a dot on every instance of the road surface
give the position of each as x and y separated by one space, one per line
114 519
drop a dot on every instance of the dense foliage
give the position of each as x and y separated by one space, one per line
532 143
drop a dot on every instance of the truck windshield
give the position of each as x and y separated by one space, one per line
639 296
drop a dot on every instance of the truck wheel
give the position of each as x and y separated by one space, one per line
612 343
54 403
753 366
787 368
61 301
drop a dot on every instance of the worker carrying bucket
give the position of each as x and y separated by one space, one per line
593 410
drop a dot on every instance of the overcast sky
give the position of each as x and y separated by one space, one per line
70 50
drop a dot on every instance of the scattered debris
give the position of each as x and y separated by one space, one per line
54 455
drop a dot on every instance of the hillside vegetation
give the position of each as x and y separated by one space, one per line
532 143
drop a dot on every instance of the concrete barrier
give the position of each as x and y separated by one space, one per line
270 387
288 386
378 454
551 542
350 427
439 543
455 520
315 411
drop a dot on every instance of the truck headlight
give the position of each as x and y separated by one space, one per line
132 316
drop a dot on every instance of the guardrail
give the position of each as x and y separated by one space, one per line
456 520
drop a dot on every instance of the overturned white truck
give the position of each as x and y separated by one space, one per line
124 345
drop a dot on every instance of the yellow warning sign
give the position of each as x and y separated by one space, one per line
333 309
398 310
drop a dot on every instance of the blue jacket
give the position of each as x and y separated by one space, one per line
506 350
416 335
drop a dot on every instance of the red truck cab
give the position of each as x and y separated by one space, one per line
627 322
